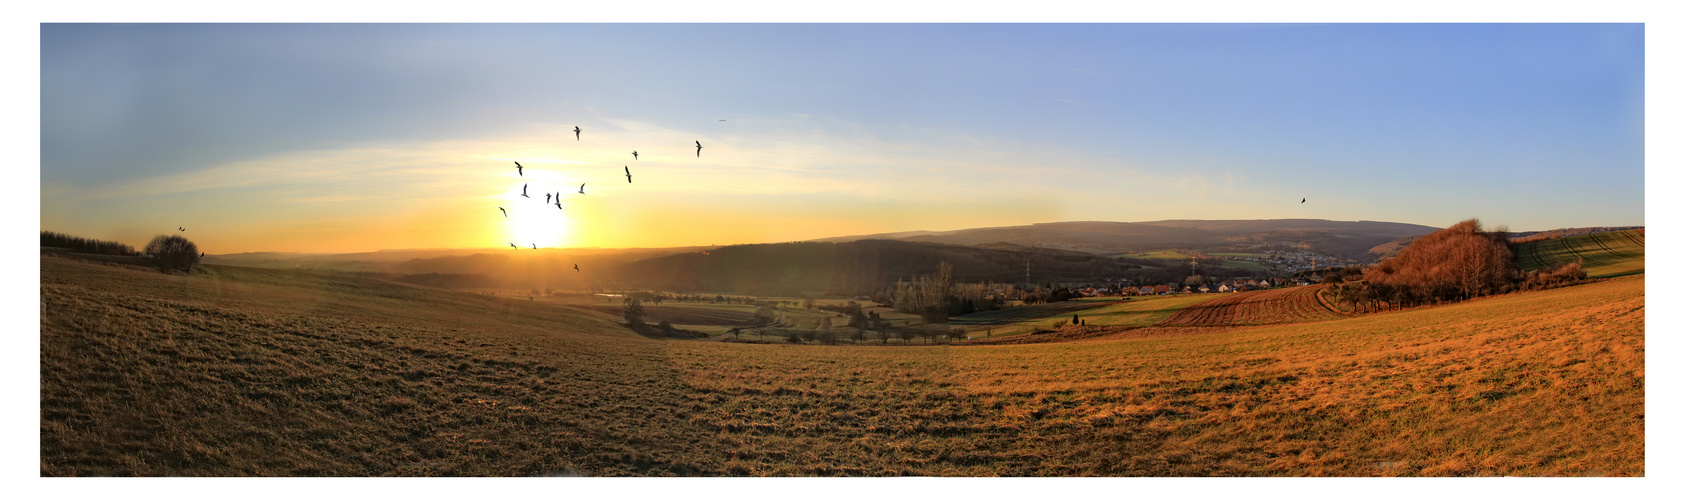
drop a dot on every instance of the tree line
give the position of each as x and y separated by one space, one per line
85 245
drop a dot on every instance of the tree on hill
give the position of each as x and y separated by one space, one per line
634 311
173 253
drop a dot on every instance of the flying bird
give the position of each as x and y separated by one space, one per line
524 191
546 198
1301 200
518 169
534 246
634 155
628 174
581 188
698 149
505 212
576 267
576 132
179 228
201 255
512 245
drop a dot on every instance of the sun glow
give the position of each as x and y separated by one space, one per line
534 219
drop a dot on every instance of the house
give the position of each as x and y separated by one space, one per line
1225 288
1144 290
1205 289
1161 289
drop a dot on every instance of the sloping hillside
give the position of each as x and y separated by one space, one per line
1602 255
265 372
258 372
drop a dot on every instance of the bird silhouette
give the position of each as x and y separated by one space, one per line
1301 200
628 174
179 228
722 120
546 198
524 191
634 155
518 169
558 204
698 149
576 267
534 246
581 188
512 245
201 255
576 132
505 212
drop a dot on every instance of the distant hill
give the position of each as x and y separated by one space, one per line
857 266
1349 239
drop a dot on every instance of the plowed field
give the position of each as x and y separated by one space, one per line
1287 305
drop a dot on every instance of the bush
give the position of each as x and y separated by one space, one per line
173 253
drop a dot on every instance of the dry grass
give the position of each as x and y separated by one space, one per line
1547 383
261 372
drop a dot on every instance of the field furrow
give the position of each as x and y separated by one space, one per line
1286 305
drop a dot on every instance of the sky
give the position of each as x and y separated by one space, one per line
360 137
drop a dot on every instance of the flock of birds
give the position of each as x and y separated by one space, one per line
556 198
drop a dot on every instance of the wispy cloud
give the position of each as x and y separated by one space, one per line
1066 100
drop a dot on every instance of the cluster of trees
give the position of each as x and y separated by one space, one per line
935 297
1456 263
85 245
1541 279
1048 294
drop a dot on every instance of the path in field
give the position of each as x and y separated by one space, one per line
1603 255
1286 305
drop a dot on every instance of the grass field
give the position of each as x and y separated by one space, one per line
242 372
1159 254
1245 264
1602 255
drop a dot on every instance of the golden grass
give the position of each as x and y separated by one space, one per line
262 372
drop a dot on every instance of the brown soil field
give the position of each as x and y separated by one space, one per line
247 372
1284 305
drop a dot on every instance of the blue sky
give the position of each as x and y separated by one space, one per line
355 137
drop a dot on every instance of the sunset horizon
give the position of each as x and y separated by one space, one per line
347 138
